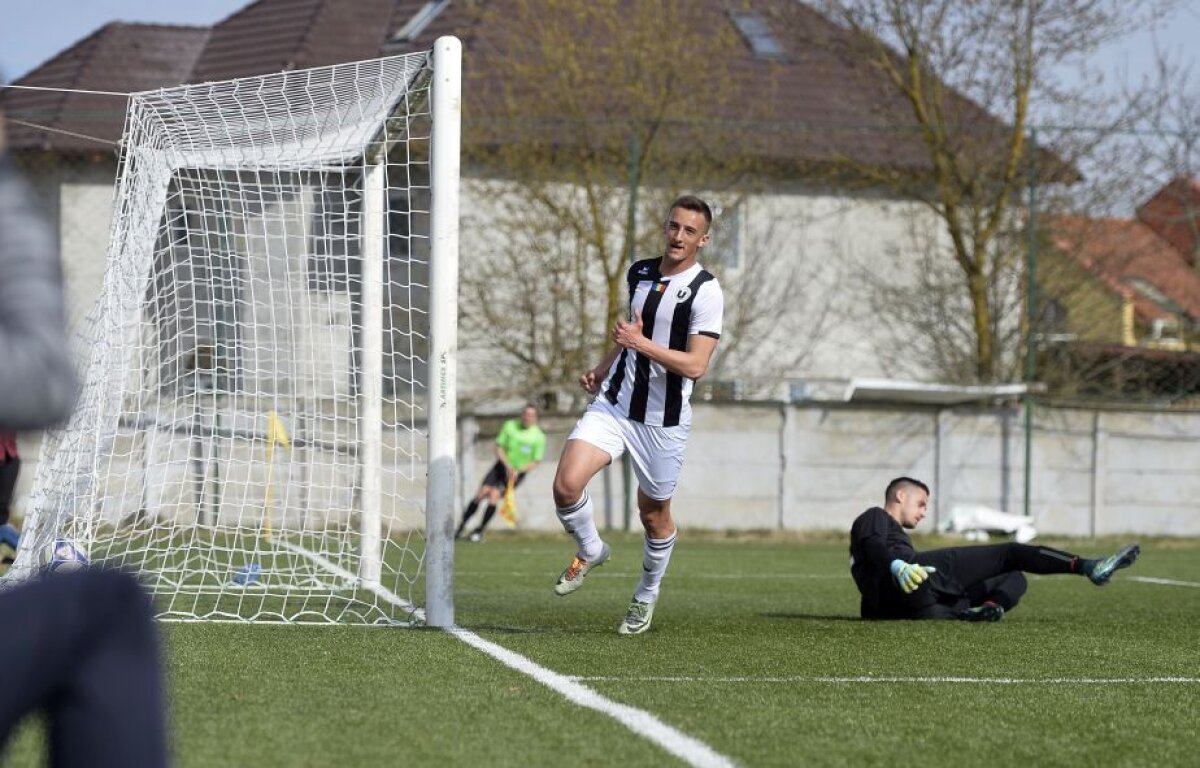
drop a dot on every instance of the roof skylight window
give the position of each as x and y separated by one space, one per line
758 34
420 20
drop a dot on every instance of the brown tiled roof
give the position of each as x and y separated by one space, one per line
1122 252
819 102
117 57
1174 213
276 35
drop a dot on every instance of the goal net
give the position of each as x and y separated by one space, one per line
266 425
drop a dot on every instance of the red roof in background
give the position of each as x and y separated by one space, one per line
117 57
1174 213
1122 252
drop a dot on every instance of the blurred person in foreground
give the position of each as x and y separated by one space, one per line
80 647
976 583
520 446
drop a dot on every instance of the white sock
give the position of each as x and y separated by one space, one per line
655 555
577 520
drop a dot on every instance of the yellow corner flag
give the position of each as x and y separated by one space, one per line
275 431
276 434
508 507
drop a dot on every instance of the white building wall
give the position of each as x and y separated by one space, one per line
86 214
842 241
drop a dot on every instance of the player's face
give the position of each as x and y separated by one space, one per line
914 502
687 233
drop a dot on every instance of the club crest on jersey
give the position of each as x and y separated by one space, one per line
660 287
684 293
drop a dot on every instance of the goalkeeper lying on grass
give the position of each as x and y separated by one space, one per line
977 583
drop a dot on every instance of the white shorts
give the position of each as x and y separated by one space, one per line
657 452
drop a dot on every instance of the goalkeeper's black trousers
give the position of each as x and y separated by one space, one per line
82 648
970 576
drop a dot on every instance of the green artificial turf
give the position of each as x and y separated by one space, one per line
756 651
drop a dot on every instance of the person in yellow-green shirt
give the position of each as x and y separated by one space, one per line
520 446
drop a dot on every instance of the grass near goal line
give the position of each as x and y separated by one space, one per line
756 652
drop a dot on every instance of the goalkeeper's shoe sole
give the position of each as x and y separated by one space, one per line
572 576
637 618
1104 570
987 612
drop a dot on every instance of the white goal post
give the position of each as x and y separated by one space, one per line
266 428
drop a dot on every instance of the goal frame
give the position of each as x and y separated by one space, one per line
443 331
78 510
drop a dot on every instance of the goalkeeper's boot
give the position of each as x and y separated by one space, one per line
637 618
988 611
572 577
1102 571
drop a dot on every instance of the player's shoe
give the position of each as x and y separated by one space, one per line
1103 570
637 618
476 537
988 611
571 578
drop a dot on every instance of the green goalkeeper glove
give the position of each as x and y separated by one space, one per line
909 576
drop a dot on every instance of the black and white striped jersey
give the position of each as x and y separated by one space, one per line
672 308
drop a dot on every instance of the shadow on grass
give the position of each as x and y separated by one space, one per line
510 630
810 616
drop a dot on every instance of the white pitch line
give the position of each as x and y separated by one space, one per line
1169 582
869 679
375 588
690 750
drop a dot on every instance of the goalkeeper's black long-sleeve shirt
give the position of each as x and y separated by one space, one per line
875 541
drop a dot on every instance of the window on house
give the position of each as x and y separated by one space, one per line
758 34
1053 322
420 20
1164 329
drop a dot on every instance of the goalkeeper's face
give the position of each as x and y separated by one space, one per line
913 503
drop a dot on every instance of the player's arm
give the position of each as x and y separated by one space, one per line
502 457
501 445
691 362
591 380
872 539
879 557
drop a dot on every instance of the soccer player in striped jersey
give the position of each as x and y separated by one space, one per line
642 388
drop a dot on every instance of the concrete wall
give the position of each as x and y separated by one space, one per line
815 467
750 466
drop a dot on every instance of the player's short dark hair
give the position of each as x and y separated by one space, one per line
693 203
899 484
